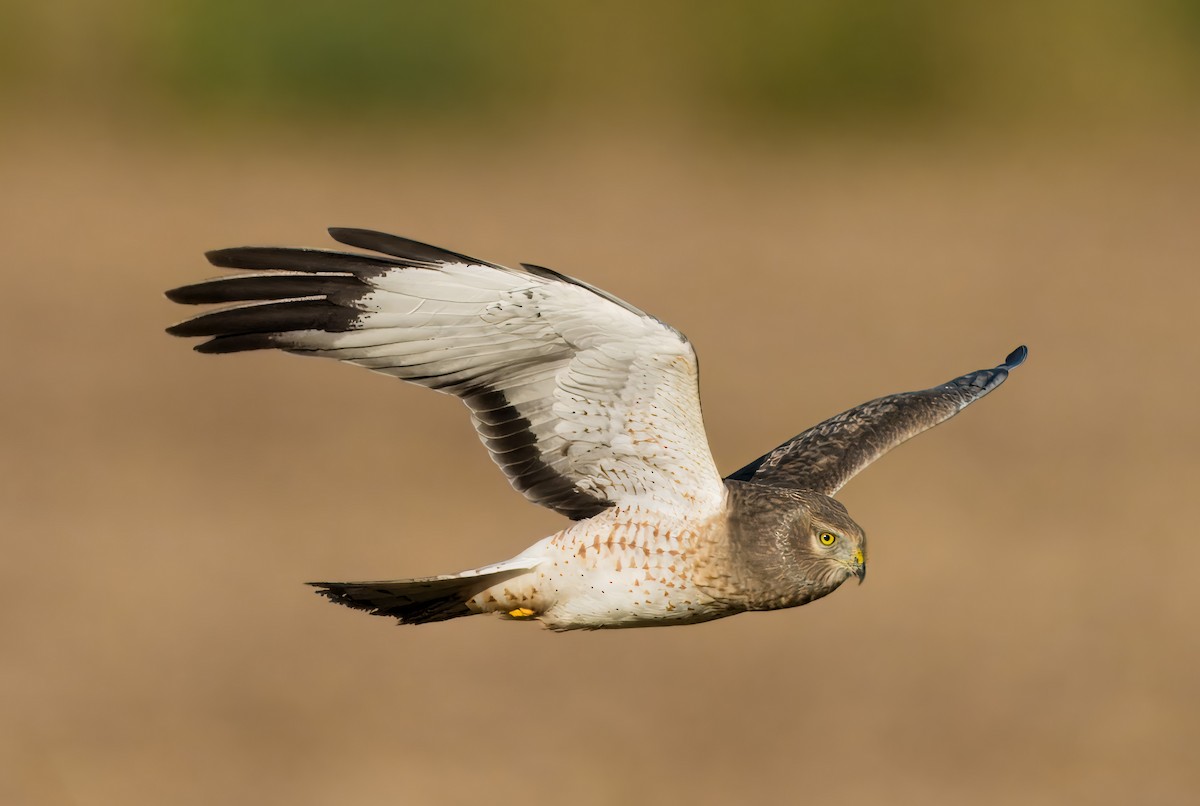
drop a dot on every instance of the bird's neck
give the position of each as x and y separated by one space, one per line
757 559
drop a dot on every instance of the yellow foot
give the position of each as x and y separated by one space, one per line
521 612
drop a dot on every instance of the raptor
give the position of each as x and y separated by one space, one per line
591 408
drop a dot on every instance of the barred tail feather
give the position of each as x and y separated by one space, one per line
426 599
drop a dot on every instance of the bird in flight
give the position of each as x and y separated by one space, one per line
591 408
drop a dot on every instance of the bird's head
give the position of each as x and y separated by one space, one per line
828 545
791 546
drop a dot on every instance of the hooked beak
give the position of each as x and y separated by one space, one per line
860 568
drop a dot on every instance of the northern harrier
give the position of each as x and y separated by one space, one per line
591 408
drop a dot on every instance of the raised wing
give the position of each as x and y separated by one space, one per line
828 455
583 401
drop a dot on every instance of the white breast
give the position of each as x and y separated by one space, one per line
625 567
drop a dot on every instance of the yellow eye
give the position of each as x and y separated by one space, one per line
827 538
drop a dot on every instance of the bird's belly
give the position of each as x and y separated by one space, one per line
627 599
632 576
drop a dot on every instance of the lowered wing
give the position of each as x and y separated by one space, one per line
829 454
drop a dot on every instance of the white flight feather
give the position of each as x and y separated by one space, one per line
609 394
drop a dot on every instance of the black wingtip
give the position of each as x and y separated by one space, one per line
353 236
179 328
237 257
1016 358
406 249
216 257
181 295
238 343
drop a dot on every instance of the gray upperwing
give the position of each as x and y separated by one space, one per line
829 454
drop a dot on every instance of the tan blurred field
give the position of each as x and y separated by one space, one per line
1028 631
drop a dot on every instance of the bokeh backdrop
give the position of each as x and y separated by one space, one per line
834 200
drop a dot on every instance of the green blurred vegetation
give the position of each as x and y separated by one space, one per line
434 55
761 61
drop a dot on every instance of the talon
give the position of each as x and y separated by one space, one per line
521 612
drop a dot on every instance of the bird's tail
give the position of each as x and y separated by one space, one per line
418 601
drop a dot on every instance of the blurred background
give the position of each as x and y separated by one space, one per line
834 200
